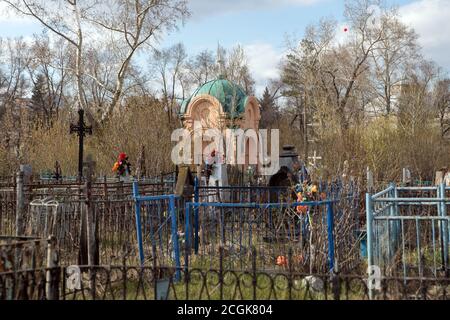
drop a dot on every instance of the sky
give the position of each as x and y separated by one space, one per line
261 27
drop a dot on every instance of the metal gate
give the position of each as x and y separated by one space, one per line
157 222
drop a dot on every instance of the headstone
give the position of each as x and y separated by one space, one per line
27 173
288 157
440 175
370 181
162 289
89 241
447 179
406 176
185 182
219 178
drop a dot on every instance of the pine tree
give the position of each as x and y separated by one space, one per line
39 98
269 112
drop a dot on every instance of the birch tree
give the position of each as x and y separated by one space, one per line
122 27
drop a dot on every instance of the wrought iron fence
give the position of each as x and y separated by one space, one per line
148 283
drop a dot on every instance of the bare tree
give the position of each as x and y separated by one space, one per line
169 65
415 100
391 56
48 63
122 26
231 64
441 98
202 67
335 71
13 88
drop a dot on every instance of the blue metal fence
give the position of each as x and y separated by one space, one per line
273 229
157 220
318 233
408 230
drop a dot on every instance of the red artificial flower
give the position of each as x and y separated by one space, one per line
122 157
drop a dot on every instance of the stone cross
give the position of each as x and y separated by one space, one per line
81 130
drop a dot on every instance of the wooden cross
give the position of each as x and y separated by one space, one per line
314 159
81 130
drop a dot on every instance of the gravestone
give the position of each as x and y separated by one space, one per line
289 157
447 179
286 176
406 176
89 241
439 177
27 173
370 181
185 182
219 178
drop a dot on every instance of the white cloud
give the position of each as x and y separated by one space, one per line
202 8
264 60
431 21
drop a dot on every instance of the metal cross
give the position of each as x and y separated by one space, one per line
314 159
81 130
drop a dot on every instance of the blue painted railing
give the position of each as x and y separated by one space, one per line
172 216
398 220
190 206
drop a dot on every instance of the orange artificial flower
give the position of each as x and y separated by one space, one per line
116 167
301 209
282 261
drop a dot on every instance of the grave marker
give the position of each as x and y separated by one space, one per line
81 130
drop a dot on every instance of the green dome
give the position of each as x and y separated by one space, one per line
230 95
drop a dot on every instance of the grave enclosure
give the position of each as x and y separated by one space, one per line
57 209
145 224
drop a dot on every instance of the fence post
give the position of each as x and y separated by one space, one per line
137 205
369 222
391 224
20 204
445 233
51 283
187 236
221 272
291 271
196 209
176 245
254 275
330 220
370 182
